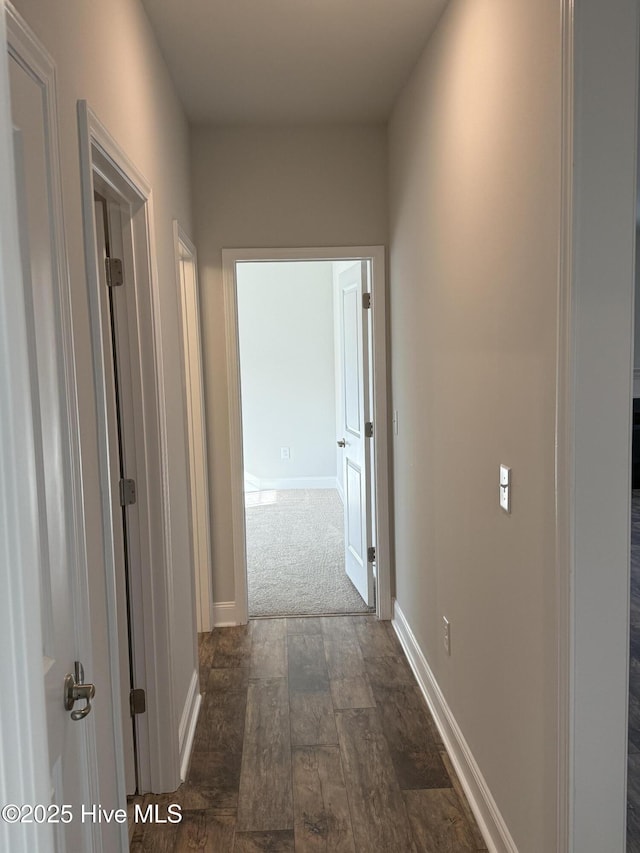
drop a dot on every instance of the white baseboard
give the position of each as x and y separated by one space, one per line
280 484
490 822
188 721
224 614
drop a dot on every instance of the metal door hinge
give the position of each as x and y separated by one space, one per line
113 268
137 701
127 492
368 429
371 554
366 300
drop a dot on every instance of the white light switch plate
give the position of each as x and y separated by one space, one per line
505 488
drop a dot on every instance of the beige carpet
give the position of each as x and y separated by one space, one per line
295 554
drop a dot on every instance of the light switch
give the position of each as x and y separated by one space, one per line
395 422
505 488
285 453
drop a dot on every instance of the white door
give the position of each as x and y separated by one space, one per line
356 414
63 587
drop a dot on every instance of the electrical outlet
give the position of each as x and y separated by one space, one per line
446 637
285 453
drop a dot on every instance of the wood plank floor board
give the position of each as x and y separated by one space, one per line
389 671
213 781
304 625
407 725
264 842
438 822
206 649
378 813
312 719
374 638
145 837
265 801
346 667
464 804
155 839
221 722
205 832
307 663
232 647
269 648
322 822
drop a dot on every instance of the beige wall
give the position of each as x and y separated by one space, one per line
106 53
474 223
272 187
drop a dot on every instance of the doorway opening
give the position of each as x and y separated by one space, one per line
307 378
302 374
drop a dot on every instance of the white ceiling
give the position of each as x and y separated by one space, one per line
289 61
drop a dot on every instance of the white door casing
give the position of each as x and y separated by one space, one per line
238 609
104 164
356 414
64 624
195 424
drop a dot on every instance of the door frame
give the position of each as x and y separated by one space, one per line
203 587
376 255
158 747
593 423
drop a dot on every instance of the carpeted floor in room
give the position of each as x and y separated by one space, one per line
295 554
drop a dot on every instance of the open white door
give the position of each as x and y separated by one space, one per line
356 415
63 593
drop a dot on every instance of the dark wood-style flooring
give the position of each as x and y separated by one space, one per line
313 736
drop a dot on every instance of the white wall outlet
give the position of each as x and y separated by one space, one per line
395 421
446 635
285 453
505 488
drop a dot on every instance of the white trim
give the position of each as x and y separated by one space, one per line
593 438
563 456
376 254
158 757
291 483
23 735
203 588
486 812
252 481
188 722
225 614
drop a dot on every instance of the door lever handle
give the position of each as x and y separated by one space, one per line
342 442
75 690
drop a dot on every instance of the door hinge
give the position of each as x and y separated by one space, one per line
127 492
371 554
113 268
368 429
137 701
366 300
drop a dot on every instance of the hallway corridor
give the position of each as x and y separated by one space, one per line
313 736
